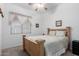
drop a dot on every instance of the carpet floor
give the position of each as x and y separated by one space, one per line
18 51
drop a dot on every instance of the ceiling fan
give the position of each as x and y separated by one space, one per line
38 6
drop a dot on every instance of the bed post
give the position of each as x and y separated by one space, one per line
69 36
23 42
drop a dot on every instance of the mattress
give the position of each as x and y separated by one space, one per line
54 45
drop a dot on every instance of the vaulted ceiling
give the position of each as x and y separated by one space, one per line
51 7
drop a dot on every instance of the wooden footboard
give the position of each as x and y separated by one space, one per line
34 49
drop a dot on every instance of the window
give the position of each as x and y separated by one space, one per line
26 27
20 25
16 29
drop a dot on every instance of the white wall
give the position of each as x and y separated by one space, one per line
9 40
69 14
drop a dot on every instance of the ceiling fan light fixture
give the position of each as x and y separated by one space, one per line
38 6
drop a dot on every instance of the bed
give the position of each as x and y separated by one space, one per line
53 44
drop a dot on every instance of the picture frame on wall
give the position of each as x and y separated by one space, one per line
58 23
37 25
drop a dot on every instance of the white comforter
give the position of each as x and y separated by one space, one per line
54 45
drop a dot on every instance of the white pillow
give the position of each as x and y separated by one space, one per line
52 33
60 33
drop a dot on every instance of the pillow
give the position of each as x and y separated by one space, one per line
52 33
60 33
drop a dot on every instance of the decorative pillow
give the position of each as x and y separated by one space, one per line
52 33
60 33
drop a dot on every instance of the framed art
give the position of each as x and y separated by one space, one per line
58 23
37 25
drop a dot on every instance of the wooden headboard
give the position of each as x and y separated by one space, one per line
67 31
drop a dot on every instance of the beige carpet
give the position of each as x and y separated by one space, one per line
18 51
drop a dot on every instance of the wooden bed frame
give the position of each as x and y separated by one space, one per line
37 49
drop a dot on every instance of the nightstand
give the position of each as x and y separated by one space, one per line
75 47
